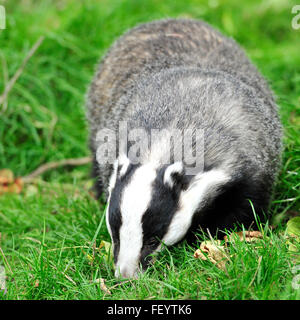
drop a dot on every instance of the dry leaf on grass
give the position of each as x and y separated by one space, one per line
103 287
214 252
293 237
293 227
247 236
8 184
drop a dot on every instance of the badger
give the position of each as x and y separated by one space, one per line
172 75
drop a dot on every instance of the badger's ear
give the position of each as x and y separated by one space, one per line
174 174
203 189
123 164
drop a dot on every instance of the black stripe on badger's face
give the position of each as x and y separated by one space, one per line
159 214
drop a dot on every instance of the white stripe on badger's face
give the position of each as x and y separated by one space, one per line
191 200
135 200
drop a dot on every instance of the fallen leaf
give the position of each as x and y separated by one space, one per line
247 236
8 184
293 227
214 252
103 287
293 232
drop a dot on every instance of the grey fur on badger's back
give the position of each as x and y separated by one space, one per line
180 73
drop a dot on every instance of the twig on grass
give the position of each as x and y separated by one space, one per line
53 165
16 76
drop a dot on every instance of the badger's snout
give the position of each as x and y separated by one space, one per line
126 271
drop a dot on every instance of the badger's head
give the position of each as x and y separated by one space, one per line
149 205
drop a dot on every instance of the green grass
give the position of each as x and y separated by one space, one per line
47 233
